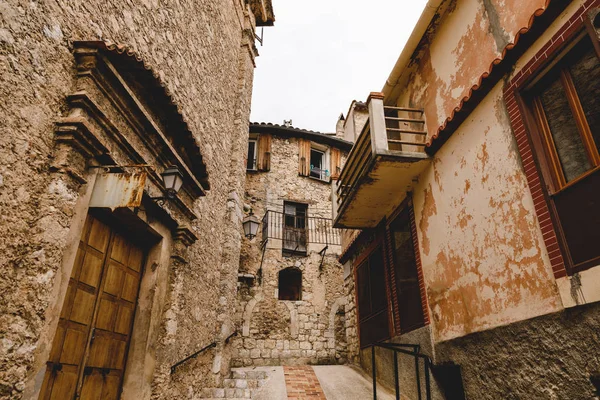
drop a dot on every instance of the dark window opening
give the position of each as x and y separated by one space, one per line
251 161
290 284
565 108
294 227
372 300
407 278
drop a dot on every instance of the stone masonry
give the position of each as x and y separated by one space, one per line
279 332
203 52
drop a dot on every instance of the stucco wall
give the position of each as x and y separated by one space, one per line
196 48
484 262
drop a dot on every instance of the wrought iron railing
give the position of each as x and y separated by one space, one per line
410 350
202 350
297 231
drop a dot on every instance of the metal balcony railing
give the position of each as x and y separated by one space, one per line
297 231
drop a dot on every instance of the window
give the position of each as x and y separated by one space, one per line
294 227
372 300
314 160
564 109
251 161
408 289
317 164
290 284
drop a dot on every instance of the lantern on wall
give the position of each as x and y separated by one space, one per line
250 224
173 179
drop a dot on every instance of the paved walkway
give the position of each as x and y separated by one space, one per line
319 382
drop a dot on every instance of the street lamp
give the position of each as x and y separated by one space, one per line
250 225
173 179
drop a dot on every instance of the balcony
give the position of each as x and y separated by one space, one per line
387 157
299 234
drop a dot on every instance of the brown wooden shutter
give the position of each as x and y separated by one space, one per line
264 153
336 163
303 157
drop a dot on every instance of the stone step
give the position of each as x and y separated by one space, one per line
237 374
243 383
225 393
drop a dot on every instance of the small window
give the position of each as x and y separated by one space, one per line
251 161
290 284
319 163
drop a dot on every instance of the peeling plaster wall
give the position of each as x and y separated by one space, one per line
196 48
484 262
469 35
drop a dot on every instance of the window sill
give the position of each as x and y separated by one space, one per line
320 180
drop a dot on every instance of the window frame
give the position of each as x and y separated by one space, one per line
538 122
325 162
255 159
545 189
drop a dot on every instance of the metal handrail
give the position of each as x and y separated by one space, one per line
399 348
210 346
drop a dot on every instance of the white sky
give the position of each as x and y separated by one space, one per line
322 54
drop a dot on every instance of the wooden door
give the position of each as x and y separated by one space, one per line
88 355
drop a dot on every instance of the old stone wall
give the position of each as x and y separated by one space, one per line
277 332
196 49
549 357
284 332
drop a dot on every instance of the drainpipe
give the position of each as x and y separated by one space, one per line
410 46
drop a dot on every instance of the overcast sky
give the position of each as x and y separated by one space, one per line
322 54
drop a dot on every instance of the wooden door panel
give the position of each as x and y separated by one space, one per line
92 268
92 386
74 344
136 258
106 314
112 387
114 279
65 383
130 288
118 347
120 250
99 235
83 306
99 354
123 323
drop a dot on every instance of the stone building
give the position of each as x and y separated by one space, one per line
101 264
291 296
473 195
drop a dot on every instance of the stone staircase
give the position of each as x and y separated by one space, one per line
244 382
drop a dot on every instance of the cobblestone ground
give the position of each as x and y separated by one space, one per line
302 383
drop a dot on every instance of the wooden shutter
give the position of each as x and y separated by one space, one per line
336 163
303 157
264 153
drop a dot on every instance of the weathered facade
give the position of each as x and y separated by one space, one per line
485 221
291 295
99 99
